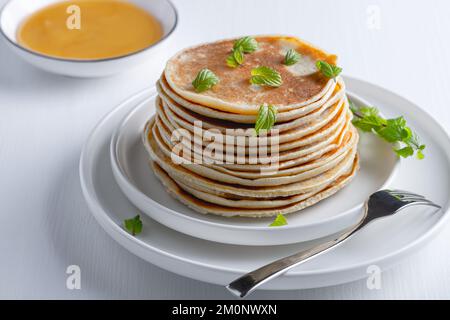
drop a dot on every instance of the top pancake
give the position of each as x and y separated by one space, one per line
302 83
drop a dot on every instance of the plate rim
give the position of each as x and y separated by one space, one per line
115 231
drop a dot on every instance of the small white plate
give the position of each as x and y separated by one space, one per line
130 164
15 11
382 243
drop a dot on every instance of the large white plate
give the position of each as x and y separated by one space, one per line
382 243
130 165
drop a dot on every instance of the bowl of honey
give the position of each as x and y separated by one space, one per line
87 38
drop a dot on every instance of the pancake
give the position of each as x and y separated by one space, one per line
287 168
169 96
234 93
218 175
187 174
335 124
308 155
211 207
329 116
222 124
293 152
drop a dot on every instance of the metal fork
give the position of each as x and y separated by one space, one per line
380 204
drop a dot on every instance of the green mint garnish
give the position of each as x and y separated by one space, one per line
248 44
205 80
133 225
279 221
392 130
265 76
267 116
292 57
328 70
241 46
236 58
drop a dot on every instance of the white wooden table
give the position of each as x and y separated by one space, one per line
45 224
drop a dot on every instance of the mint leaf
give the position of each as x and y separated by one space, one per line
279 221
395 130
368 123
367 118
231 62
248 44
369 111
328 70
205 80
267 116
238 55
404 152
265 76
134 225
420 155
236 58
292 57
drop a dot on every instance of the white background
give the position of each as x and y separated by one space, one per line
45 224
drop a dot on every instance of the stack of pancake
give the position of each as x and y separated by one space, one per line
315 152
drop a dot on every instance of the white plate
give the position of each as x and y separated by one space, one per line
130 164
383 243
15 11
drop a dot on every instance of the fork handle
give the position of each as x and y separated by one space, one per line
242 286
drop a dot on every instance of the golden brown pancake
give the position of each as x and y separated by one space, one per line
303 172
234 93
169 96
192 174
221 122
245 208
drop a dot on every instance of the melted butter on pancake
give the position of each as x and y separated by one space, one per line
300 82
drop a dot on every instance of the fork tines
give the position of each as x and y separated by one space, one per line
411 197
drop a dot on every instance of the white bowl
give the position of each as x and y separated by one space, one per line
15 11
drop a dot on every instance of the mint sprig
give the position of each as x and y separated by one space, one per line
241 46
248 44
291 57
392 130
279 221
265 76
205 80
328 70
133 225
267 116
236 58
